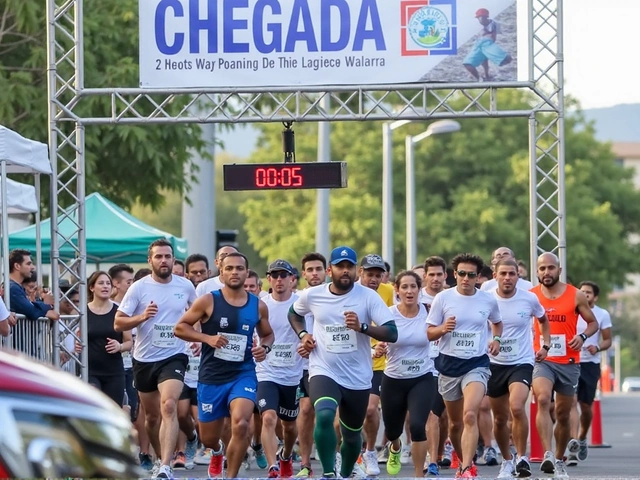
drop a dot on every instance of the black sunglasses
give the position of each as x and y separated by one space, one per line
463 273
279 274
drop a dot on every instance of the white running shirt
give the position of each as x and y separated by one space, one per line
209 285
155 340
340 353
193 369
516 345
283 365
434 348
604 321
492 284
409 357
470 337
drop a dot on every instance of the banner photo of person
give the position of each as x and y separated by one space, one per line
257 43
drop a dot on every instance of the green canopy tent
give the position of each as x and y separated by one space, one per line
113 235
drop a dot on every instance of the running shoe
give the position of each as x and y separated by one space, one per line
190 453
432 470
523 467
405 456
559 470
584 450
507 469
146 463
216 464
370 461
179 460
490 457
258 454
305 472
165 471
286 467
548 462
274 472
203 457
394 465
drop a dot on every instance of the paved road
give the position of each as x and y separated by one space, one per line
621 423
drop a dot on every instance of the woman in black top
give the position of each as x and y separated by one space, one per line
106 370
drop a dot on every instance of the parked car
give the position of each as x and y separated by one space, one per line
53 425
631 384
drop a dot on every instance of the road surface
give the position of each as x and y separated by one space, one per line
621 425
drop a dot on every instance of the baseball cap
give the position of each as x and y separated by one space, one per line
482 12
340 254
280 265
373 261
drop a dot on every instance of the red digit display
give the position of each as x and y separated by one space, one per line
283 176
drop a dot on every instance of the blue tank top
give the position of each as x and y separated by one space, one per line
223 365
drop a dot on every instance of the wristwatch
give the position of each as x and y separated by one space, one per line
302 334
583 337
364 328
267 349
496 339
546 347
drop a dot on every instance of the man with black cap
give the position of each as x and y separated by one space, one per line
279 376
371 273
346 315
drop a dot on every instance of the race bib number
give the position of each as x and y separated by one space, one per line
465 344
558 346
163 337
340 339
234 350
412 367
434 348
509 349
282 355
127 360
194 365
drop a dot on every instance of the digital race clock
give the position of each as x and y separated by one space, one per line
285 176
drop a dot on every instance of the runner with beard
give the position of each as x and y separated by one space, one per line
560 371
154 305
340 367
314 268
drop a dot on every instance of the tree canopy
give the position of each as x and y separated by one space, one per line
125 163
472 192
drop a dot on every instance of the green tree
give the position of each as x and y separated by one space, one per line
125 163
472 192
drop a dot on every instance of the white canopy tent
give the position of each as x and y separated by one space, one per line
20 155
21 198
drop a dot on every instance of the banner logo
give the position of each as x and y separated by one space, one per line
428 27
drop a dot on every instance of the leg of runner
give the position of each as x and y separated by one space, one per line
170 391
485 427
241 410
150 402
542 388
455 411
256 442
473 394
324 433
269 439
188 433
562 431
371 428
306 419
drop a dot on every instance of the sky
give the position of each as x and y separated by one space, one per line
599 41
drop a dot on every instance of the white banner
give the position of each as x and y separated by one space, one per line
259 43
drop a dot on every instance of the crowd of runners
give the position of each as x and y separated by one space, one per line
223 371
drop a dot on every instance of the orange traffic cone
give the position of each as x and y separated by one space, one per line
537 453
596 425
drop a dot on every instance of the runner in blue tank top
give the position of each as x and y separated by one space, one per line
227 380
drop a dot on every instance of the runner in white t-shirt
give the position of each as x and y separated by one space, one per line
280 374
314 271
434 281
7 320
503 253
340 366
214 283
589 371
458 317
153 305
512 368
408 383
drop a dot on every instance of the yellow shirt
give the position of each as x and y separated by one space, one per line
386 292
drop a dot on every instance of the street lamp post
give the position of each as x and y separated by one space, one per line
436 128
387 188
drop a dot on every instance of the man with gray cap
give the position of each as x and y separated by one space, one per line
346 315
372 271
279 376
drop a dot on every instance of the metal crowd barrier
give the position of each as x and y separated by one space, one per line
46 340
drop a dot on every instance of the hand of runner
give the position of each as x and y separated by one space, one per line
196 348
576 343
113 346
592 349
12 319
449 324
380 350
351 321
259 353
150 311
541 355
217 341
307 344
494 348
302 351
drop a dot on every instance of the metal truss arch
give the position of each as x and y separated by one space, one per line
66 93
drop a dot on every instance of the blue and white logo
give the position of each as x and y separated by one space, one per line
429 27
